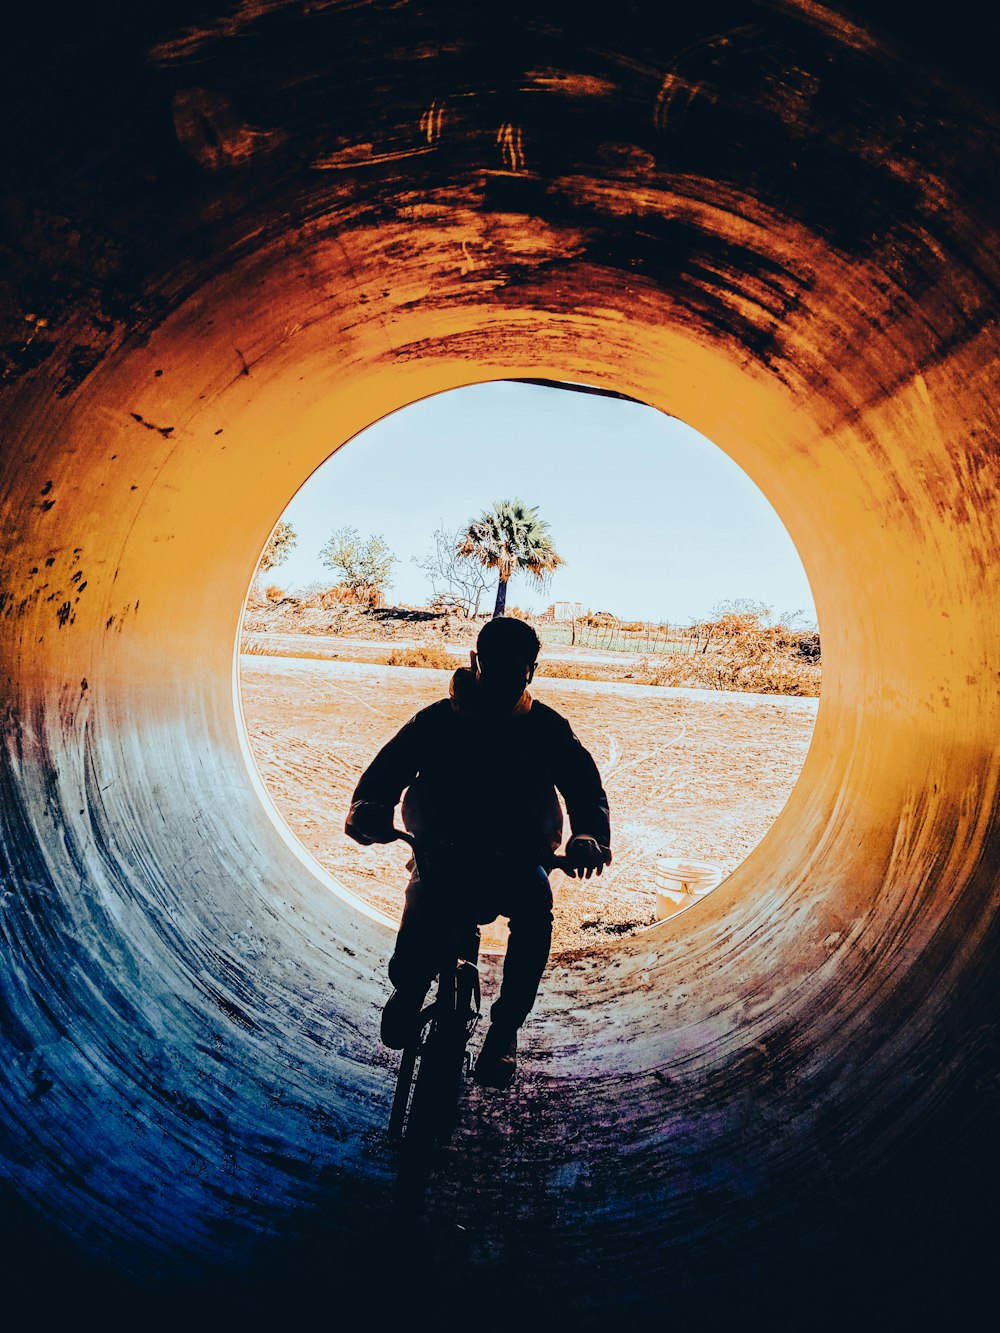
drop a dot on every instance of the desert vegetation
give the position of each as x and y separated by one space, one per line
740 646
742 650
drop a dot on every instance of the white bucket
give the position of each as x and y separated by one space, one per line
680 882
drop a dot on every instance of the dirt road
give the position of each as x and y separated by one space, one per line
691 773
335 647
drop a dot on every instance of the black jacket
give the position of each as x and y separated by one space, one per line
488 780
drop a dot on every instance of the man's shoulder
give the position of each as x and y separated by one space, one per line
440 708
427 718
547 716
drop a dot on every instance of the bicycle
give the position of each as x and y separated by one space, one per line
425 1104
432 1064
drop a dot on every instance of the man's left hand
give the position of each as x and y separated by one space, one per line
586 857
369 822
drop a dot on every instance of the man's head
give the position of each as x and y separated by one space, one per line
505 657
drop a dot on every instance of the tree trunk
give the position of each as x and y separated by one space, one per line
498 610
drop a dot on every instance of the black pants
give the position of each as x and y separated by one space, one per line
441 913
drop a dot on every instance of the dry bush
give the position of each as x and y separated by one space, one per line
258 645
518 613
448 604
451 624
808 644
311 596
713 671
365 596
370 597
738 652
586 671
274 593
423 657
332 598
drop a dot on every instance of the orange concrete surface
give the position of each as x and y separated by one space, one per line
787 238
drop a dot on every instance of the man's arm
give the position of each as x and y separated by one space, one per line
376 795
578 778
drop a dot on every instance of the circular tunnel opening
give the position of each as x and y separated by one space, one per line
696 697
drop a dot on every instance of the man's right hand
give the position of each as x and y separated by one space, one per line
369 822
586 857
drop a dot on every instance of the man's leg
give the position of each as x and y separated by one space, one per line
413 965
529 909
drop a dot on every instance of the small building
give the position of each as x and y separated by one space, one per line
566 610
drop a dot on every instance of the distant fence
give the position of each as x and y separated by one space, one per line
644 639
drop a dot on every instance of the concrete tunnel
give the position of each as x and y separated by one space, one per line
235 235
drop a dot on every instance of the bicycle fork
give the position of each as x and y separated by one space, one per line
442 1051
468 1004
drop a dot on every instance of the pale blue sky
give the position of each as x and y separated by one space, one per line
654 522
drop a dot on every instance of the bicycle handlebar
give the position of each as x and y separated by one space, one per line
550 862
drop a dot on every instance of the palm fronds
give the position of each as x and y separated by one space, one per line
511 539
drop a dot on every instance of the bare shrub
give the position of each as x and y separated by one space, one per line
447 604
584 670
739 652
331 598
456 580
422 657
311 596
808 644
370 597
274 593
255 598
261 646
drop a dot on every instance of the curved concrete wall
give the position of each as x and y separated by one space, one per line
234 244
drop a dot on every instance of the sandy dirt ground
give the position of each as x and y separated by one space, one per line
689 773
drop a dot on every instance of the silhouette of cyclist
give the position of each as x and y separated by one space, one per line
481 769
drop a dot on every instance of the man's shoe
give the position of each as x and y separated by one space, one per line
497 1063
401 1019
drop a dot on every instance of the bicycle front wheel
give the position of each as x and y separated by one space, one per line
434 1106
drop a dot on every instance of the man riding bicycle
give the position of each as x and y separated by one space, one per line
481 769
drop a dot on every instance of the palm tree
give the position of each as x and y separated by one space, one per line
511 539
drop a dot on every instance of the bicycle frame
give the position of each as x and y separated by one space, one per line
446 1025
